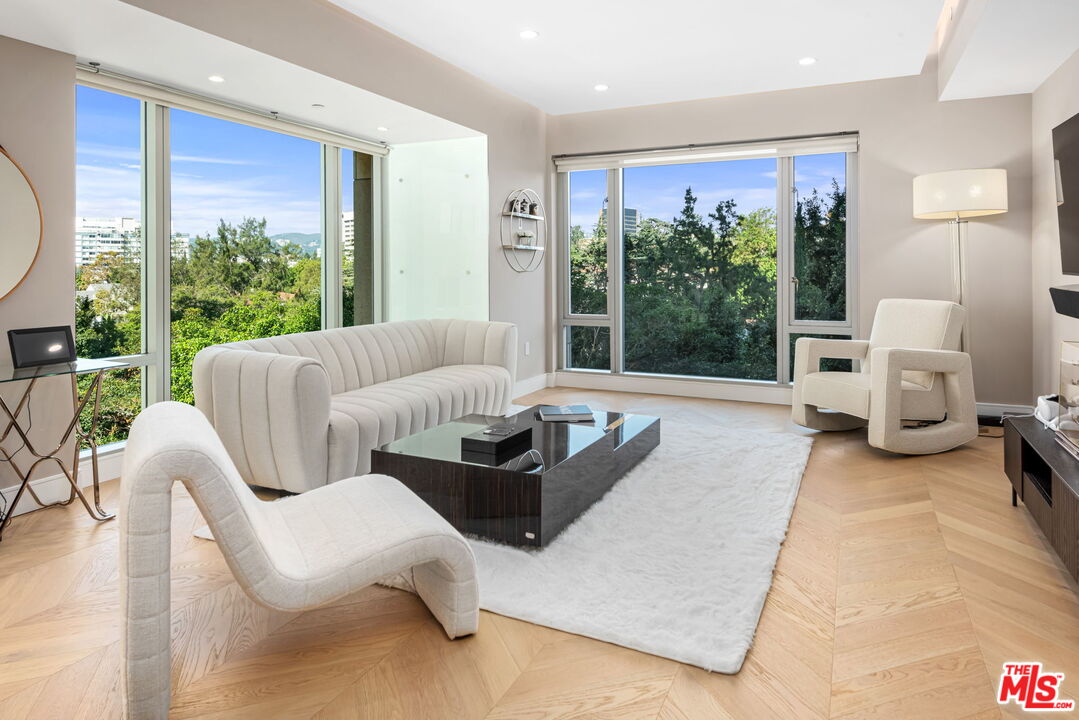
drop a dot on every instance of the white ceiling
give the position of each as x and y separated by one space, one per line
1007 47
140 43
651 51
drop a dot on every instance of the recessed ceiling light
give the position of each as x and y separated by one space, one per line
600 88
807 61
529 34
382 128
216 78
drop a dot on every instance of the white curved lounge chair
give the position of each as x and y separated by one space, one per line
293 554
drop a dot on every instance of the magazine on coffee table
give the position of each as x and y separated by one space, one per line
565 413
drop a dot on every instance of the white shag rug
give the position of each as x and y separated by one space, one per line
675 560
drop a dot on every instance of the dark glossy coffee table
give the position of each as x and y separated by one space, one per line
532 497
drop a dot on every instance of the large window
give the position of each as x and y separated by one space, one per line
700 269
193 230
820 238
246 244
715 265
109 248
588 242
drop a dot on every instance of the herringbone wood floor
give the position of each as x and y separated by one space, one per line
903 585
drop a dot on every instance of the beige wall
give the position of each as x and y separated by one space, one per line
1054 102
904 132
328 40
37 128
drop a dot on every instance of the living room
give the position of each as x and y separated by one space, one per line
433 360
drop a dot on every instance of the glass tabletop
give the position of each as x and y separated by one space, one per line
81 366
554 441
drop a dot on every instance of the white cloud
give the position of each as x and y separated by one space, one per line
209 160
198 204
117 152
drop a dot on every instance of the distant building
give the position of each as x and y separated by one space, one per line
181 245
348 237
631 219
97 236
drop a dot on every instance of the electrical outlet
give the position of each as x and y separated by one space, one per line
528 347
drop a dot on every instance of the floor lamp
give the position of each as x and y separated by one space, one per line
954 196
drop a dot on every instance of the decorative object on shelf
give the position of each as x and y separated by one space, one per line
524 230
17 418
20 224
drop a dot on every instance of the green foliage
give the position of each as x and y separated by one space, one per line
820 261
236 285
700 290
699 295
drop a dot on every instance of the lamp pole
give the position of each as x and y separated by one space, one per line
958 228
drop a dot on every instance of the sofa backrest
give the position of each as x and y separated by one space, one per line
355 357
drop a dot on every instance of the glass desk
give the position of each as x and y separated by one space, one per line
15 419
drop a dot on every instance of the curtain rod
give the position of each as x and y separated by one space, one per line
703 146
95 68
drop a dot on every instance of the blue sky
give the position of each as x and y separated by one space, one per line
658 191
227 170
219 169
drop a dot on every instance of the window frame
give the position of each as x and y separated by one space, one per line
785 151
156 224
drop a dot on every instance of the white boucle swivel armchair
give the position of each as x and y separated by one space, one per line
292 554
911 369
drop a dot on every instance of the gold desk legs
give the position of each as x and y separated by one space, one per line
74 427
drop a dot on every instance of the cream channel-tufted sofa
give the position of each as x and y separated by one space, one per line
296 412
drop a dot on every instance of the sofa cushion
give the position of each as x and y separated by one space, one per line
849 392
363 419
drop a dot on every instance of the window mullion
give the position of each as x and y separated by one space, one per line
330 290
157 251
615 276
379 251
562 238
784 263
851 188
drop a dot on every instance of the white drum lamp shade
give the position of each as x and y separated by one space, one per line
958 194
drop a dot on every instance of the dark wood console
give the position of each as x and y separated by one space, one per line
1046 477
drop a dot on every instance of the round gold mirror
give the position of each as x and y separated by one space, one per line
20 224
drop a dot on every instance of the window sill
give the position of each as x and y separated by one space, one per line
762 391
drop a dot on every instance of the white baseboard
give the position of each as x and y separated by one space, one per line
531 385
998 409
54 488
709 389
743 391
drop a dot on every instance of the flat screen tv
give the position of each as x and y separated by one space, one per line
1066 154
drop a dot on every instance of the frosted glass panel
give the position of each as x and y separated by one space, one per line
436 230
